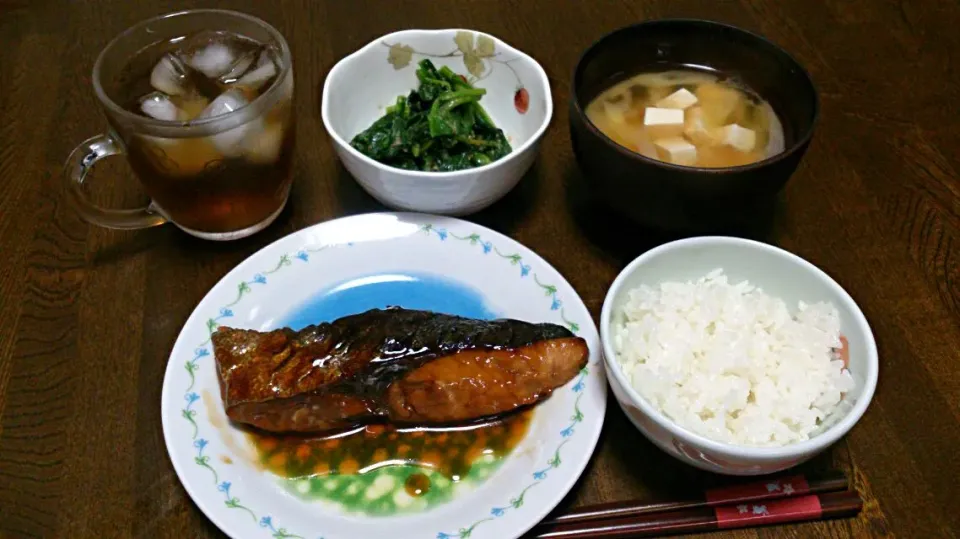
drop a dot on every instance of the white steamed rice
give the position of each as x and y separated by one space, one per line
731 363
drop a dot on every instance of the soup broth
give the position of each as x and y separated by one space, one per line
688 117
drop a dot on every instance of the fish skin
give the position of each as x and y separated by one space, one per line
367 367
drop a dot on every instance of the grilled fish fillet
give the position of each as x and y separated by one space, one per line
398 365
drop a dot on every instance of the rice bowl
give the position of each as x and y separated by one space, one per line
730 362
730 447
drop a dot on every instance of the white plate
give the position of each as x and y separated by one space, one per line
216 462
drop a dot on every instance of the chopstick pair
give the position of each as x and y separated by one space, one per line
782 500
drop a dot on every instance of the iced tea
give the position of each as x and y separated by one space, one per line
230 169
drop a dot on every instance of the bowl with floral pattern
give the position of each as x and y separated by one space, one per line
360 88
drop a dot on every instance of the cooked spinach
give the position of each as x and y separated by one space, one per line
438 127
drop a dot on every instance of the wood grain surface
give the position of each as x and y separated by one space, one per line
88 316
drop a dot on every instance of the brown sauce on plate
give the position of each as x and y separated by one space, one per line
423 463
448 450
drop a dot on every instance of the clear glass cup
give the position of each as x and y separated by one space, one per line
220 178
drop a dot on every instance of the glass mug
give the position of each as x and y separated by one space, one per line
225 174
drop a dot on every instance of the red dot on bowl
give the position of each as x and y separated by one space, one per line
521 100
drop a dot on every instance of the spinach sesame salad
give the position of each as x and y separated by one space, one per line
439 127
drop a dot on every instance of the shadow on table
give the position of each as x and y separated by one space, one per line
127 245
631 463
284 224
177 249
626 239
502 216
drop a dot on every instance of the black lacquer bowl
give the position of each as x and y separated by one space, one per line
681 198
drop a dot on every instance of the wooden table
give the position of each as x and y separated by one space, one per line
88 316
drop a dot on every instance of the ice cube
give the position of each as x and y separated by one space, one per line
158 105
181 157
191 104
239 67
213 60
225 103
170 76
230 141
264 71
263 147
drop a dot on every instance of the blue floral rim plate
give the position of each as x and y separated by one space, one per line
350 263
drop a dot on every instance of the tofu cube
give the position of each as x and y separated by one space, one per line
738 137
659 116
681 99
663 123
644 146
696 129
676 150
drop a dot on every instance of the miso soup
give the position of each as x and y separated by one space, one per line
688 117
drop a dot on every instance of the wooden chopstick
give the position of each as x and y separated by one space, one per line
700 519
772 488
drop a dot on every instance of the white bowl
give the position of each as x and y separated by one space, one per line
778 273
360 87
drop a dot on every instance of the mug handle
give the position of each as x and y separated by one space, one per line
75 171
